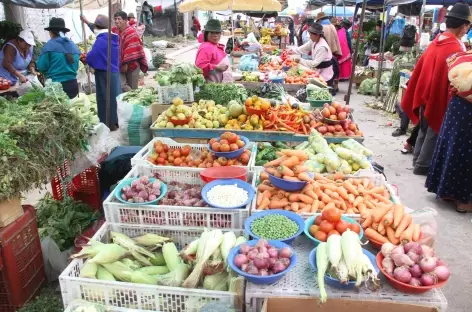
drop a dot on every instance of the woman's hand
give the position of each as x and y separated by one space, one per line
22 79
221 67
124 68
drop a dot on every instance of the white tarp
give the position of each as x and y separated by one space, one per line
38 4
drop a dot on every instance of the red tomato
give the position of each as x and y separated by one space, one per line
161 161
326 226
342 226
177 161
176 153
332 215
318 220
163 155
333 232
159 149
186 150
166 147
321 236
355 227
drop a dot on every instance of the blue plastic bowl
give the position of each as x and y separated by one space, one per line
335 282
277 80
291 215
286 68
233 154
289 186
241 184
261 279
127 182
309 222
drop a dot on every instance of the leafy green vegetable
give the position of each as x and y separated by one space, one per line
63 220
142 96
222 93
158 59
47 301
184 73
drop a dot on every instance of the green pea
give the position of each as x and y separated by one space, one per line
275 227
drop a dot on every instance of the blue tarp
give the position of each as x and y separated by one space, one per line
339 11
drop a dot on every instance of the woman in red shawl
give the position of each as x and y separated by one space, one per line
132 57
427 95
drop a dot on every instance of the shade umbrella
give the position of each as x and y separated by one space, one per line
292 11
235 5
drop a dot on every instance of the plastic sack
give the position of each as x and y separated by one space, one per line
148 54
23 88
160 44
134 121
249 62
55 261
426 218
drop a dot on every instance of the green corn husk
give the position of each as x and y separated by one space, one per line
143 278
218 281
133 265
229 240
140 258
119 270
240 240
175 277
154 270
236 284
108 253
171 256
128 243
150 239
158 259
87 252
89 270
104 275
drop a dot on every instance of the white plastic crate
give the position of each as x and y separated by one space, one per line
81 303
141 157
140 296
376 178
118 212
301 282
183 91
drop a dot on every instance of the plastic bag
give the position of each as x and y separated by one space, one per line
148 54
55 261
249 62
134 121
426 218
23 88
160 44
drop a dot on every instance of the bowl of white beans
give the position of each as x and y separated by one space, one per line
228 193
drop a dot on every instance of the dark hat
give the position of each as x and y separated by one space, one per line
320 16
57 23
101 21
346 22
460 11
379 23
316 29
213 25
130 15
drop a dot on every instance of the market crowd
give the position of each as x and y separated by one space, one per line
60 57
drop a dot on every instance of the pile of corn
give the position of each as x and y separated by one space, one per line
155 260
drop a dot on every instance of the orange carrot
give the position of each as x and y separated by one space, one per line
328 192
398 212
289 178
274 172
259 199
407 235
404 223
335 195
278 204
264 204
275 162
328 186
351 198
361 207
295 207
321 205
388 218
326 199
342 192
330 205
285 171
373 235
290 162
391 236
318 192
350 188
315 205
306 199
366 182
303 176
381 198
264 187
377 189
379 213
294 197
350 211
367 221
264 176
358 200
311 194
381 228
305 209
267 194
308 186
375 225
369 204
299 169
416 233
288 207
301 155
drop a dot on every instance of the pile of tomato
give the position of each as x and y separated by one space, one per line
329 223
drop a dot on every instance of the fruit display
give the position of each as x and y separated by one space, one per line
315 93
335 111
142 190
4 83
330 223
228 142
266 32
185 156
177 112
257 103
297 75
250 77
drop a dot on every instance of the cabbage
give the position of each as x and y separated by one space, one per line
366 86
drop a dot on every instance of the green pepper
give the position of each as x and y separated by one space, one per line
264 152
261 146
261 162
281 145
270 156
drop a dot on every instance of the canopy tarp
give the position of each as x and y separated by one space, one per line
90 4
55 4
338 11
235 5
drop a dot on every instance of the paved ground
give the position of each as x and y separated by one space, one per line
453 243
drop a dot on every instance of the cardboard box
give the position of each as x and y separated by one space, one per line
10 210
340 305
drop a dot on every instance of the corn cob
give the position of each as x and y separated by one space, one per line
109 253
150 240
89 270
128 243
104 275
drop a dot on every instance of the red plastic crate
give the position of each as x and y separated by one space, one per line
23 268
83 187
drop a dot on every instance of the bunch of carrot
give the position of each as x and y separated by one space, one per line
390 223
289 166
286 118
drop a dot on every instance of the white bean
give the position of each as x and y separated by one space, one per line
227 195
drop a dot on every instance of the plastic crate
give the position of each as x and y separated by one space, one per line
118 212
141 157
83 187
23 268
141 296
167 94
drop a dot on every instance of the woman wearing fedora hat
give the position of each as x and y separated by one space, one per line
211 56
59 59
16 56
321 56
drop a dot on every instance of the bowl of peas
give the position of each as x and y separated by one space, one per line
279 225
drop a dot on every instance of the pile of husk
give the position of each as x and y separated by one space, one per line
38 132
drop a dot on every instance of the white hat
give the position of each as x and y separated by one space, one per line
28 37
442 27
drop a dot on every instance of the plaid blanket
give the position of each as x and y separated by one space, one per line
131 48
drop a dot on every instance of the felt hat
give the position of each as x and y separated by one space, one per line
316 29
58 24
320 16
102 21
213 25
131 15
28 37
460 11
346 22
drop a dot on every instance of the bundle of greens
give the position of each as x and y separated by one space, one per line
142 96
47 301
184 73
37 134
222 93
63 220
158 59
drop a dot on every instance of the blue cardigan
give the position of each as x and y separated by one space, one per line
98 56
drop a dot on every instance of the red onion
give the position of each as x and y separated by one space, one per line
414 282
278 267
428 279
260 262
244 267
251 269
151 197
156 185
442 272
271 262
284 261
252 254
413 256
387 249
388 265
263 272
402 274
144 179
415 271
125 189
244 248
428 264
240 259
123 196
427 251
273 253
262 243
411 246
439 262
285 252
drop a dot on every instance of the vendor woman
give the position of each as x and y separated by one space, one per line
321 56
211 57
16 56
59 59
